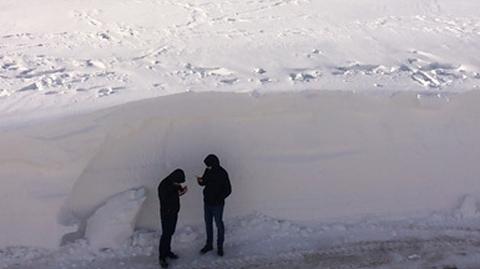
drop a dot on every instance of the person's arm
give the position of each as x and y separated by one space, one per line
162 197
202 181
227 187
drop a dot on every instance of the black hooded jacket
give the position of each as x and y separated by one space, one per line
168 192
216 182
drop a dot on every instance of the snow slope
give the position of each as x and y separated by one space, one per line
312 156
71 56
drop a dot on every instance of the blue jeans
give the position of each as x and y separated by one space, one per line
211 213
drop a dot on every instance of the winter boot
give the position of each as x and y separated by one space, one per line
163 263
172 256
206 249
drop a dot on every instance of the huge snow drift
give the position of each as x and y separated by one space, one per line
302 156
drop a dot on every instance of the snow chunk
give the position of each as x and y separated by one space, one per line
113 223
187 235
468 208
260 71
96 63
4 93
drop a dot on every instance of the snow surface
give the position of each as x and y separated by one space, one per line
79 55
286 156
349 127
113 224
258 241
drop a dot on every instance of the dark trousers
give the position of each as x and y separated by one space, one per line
211 213
169 223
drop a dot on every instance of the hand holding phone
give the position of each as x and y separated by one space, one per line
182 191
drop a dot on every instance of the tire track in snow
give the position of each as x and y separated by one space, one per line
364 253
354 255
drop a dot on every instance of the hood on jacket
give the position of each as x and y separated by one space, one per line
177 176
212 161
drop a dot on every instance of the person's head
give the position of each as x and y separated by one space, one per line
212 161
177 176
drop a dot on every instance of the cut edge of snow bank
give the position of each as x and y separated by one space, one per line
287 154
113 223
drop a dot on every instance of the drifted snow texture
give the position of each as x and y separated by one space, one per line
308 156
86 55
113 223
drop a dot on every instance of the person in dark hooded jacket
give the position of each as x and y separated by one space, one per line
169 192
217 187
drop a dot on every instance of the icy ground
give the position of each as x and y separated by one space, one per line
257 241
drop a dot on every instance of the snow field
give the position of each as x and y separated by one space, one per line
98 54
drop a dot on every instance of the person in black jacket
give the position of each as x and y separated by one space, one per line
169 192
216 188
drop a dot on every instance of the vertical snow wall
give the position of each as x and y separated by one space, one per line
303 156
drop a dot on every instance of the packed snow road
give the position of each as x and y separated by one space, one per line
257 241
